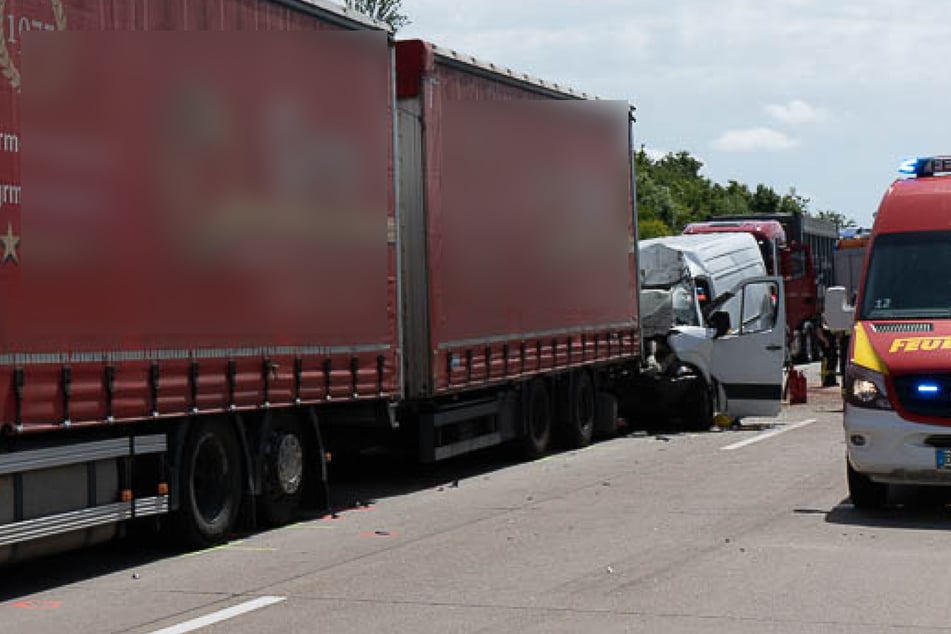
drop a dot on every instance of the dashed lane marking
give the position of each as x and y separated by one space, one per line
220 615
767 435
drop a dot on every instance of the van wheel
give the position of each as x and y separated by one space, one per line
581 410
865 493
701 413
283 472
537 420
210 495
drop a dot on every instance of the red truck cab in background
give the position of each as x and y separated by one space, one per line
796 265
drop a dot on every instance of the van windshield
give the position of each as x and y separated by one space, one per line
908 277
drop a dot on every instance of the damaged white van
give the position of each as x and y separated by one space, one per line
713 327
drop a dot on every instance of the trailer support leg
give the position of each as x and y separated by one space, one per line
250 496
324 483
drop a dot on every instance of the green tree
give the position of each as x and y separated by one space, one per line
765 200
652 228
732 200
671 193
793 203
840 220
388 11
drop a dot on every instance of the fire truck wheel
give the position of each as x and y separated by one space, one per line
210 495
537 417
865 493
283 473
581 410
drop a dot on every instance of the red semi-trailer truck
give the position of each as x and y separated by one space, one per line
284 236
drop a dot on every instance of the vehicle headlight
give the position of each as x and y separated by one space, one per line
865 388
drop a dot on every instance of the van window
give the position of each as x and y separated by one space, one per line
908 277
760 305
754 309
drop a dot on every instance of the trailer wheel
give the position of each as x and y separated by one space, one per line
210 484
283 472
864 493
537 418
581 410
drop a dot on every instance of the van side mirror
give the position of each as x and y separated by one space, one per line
720 322
838 314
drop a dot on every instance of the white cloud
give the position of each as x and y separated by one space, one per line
754 139
795 112
694 73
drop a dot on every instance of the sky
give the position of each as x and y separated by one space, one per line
825 96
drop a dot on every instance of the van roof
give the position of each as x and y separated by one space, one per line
919 204
724 258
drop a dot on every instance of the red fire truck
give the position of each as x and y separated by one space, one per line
898 388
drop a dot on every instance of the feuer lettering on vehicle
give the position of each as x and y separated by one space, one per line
920 344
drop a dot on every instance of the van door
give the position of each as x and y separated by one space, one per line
748 361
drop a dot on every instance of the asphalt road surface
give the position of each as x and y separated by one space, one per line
744 530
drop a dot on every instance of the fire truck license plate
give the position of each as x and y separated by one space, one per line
943 458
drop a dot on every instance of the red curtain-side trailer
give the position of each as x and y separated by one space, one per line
233 227
517 252
196 198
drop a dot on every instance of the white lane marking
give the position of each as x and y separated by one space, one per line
220 615
769 434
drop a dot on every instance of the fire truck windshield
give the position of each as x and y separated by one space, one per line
908 277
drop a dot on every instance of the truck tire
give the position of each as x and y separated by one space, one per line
211 481
581 410
283 470
864 493
537 421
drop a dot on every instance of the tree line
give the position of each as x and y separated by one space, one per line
671 193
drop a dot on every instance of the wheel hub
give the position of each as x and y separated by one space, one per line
289 461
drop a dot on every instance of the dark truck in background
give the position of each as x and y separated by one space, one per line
804 247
